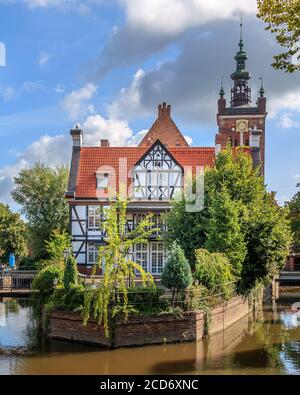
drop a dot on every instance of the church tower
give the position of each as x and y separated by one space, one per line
242 124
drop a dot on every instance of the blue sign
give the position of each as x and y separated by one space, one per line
12 260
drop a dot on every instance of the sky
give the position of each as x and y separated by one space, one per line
106 65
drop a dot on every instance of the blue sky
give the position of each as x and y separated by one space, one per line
107 64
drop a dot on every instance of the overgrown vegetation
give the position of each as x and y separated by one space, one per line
214 271
236 243
240 219
111 297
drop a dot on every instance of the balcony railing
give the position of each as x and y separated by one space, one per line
158 229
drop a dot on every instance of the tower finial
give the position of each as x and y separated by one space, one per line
262 89
222 93
241 44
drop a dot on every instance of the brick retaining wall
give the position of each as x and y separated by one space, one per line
162 328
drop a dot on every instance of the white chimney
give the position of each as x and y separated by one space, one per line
76 137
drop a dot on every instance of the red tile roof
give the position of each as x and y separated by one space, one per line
106 159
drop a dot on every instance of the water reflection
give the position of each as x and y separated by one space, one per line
268 344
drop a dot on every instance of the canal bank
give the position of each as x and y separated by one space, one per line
268 344
153 329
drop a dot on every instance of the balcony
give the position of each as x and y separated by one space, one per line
159 230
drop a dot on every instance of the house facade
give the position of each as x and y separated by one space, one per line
154 172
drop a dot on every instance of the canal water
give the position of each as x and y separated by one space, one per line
270 344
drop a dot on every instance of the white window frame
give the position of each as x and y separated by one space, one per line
102 180
93 250
157 257
141 255
94 217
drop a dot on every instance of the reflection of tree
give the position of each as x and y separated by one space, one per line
11 306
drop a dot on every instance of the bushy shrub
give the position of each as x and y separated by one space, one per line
46 280
176 274
195 297
147 299
214 271
70 272
68 299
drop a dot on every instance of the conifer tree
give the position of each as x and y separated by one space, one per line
177 273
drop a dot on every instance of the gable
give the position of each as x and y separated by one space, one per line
164 129
158 157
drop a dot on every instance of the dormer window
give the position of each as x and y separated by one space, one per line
102 180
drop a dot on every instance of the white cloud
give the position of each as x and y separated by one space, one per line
44 58
77 103
128 104
81 6
32 86
59 88
189 139
287 100
175 16
10 93
286 121
96 127
137 138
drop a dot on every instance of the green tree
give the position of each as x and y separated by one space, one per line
186 228
294 215
223 232
282 19
58 245
12 234
119 273
269 239
176 274
40 191
214 271
253 210
70 272
45 282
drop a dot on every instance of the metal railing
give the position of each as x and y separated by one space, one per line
16 279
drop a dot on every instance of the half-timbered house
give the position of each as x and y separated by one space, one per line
153 172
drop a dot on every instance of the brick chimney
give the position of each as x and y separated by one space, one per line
104 143
164 110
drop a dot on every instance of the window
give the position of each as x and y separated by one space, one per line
94 217
158 221
141 255
102 180
93 253
157 257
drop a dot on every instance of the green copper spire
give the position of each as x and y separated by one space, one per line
240 93
240 58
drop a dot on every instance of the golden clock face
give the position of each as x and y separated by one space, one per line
242 126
